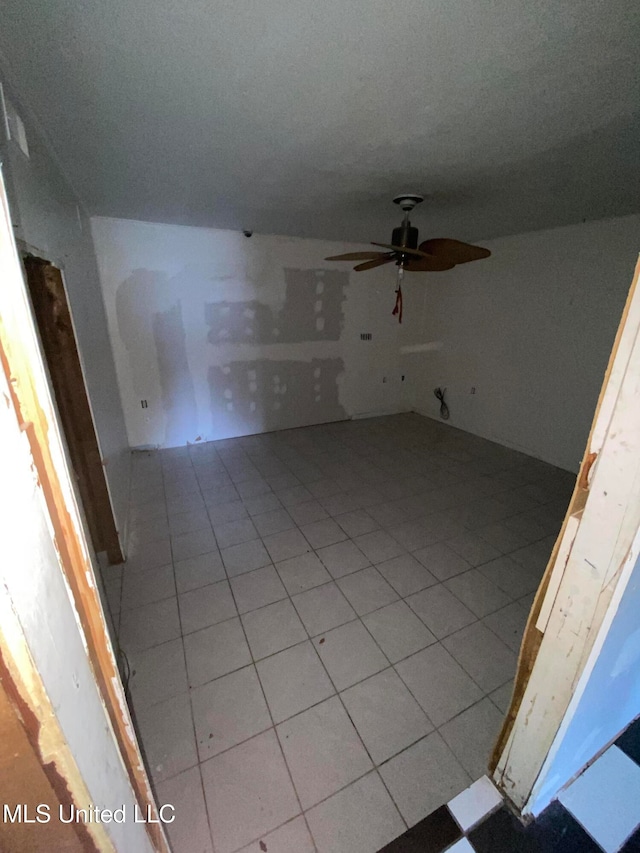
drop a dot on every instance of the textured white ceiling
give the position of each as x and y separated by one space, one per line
307 116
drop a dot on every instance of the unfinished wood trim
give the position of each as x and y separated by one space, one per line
564 550
21 362
25 781
35 758
57 336
596 536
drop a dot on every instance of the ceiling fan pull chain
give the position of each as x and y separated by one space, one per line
398 306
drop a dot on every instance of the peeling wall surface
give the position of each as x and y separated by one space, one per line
609 700
47 217
224 335
531 329
31 576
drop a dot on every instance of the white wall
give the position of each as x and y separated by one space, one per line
607 698
47 217
531 329
225 335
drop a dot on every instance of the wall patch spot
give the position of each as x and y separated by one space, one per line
320 323
291 322
284 394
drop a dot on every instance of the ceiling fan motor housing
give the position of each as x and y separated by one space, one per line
405 235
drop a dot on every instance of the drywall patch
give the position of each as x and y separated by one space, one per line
178 395
271 395
312 311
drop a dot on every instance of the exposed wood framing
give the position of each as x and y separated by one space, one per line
592 551
22 365
58 340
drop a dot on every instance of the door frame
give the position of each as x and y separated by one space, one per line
59 347
29 399
589 567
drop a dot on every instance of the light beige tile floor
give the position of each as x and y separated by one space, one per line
322 625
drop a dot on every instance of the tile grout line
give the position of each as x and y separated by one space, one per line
273 725
374 767
356 617
336 693
193 722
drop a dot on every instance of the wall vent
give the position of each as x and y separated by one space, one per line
365 336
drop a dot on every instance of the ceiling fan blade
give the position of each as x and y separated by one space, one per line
369 265
454 250
429 264
402 249
356 256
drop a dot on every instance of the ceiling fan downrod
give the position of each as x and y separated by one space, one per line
406 235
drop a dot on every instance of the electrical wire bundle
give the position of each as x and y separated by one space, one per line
444 409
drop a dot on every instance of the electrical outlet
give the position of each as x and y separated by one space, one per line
144 404
473 389
402 378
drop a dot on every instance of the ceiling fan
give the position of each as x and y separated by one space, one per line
433 255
